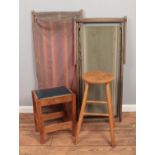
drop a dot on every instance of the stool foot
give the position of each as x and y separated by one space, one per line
113 144
76 140
112 138
111 124
42 139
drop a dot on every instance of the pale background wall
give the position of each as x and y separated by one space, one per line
92 8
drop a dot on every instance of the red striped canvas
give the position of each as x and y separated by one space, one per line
54 51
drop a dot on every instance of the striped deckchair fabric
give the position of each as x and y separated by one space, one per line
54 48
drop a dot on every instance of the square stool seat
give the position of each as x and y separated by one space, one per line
51 97
52 92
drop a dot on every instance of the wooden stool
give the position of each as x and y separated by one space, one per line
97 77
48 97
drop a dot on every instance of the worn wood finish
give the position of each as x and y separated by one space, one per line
94 138
97 77
40 117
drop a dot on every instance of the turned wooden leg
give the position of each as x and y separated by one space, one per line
110 110
82 111
40 124
73 114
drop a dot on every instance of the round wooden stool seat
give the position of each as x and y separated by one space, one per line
95 77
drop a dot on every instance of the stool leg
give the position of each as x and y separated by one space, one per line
82 111
73 114
110 110
40 125
66 117
34 112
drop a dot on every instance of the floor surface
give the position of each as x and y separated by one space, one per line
94 139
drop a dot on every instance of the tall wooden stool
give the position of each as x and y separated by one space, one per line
51 97
97 77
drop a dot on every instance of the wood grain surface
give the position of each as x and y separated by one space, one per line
94 138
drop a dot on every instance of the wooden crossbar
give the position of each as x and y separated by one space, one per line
102 20
55 100
96 102
54 115
58 126
94 114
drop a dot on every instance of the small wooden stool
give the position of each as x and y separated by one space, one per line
97 77
48 97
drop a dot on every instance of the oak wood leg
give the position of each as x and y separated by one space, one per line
110 110
82 111
73 114
34 112
66 110
40 125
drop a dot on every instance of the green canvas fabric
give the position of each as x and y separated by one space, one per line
100 50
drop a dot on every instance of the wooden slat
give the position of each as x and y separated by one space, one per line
53 115
55 100
101 20
58 126
56 13
95 102
95 114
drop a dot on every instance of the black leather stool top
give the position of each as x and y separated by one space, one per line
50 92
